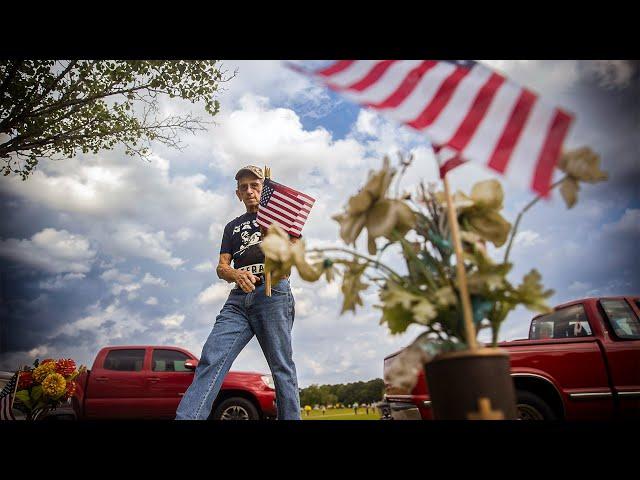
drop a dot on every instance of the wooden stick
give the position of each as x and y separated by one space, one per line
470 329
267 275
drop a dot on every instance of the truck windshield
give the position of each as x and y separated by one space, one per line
568 322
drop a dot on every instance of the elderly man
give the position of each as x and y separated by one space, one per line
247 312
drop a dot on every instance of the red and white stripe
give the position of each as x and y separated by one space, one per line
476 112
287 208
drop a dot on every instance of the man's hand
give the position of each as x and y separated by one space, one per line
245 280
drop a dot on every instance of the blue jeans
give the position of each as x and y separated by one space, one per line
244 315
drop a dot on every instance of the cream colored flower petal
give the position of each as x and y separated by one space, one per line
424 312
569 190
276 248
582 164
491 226
360 203
382 219
488 194
446 296
406 218
350 226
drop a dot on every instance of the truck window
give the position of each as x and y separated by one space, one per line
568 322
169 361
622 319
124 360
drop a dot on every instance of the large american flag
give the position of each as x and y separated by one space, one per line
283 206
467 110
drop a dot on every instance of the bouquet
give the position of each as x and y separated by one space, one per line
45 386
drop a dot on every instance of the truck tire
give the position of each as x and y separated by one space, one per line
532 407
236 408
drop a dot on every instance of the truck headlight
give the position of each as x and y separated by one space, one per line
268 381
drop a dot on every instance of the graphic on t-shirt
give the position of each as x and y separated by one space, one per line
242 238
248 240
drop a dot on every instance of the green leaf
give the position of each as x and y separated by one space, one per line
397 318
23 397
36 393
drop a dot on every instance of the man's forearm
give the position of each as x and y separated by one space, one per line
226 272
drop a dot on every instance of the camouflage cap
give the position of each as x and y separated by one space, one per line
252 169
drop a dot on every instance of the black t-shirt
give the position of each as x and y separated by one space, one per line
241 238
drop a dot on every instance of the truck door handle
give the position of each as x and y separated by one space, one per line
153 379
102 379
181 394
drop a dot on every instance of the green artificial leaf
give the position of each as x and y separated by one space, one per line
36 393
531 293
397 318
24 398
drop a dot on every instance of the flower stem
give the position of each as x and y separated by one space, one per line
522 212
356 254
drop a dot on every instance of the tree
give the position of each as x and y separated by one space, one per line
53 109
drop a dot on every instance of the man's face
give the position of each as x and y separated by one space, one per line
249 190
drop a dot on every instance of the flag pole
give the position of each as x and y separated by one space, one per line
267 275
462 275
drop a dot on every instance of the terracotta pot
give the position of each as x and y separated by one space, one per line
469 385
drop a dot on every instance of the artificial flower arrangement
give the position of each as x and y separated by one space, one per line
45 386
427 292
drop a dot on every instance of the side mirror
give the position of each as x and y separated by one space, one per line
191 364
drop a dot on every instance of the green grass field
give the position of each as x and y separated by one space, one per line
342 414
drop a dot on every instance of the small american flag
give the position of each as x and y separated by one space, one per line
476 113
283 206
6 398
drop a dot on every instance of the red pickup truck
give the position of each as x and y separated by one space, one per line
580 362
147 382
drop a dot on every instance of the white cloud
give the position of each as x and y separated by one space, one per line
172 321
109 325
113 274
527 238
628 224
56 251
151 301
367 123
61 281
151 280
579 286
205 267
131 287
131 240
184 234
611 74
215 293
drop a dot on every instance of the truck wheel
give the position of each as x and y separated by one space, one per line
532 407
236 408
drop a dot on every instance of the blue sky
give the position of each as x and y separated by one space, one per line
108 250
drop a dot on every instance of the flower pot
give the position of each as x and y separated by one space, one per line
470 385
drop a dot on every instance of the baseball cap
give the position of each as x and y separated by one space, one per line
252 169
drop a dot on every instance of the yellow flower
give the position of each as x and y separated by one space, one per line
369 208
41 372
54 385
580 165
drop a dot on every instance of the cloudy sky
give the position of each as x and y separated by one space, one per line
110 250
